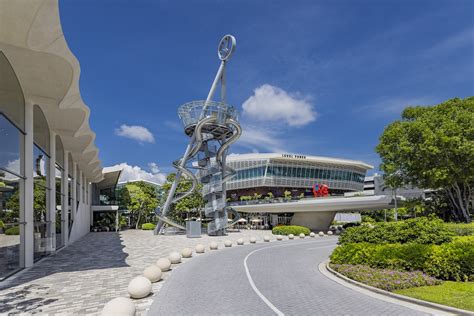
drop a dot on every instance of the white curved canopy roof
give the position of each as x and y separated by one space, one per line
334 204
298 158
31 38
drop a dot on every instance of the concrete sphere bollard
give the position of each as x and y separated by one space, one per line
213 246
302 235
279 237
312 234
329 232
266 238
291 236
253 240
152 273
321 234
119 306
240 241
228 243
175 257
200 248
187 252
164 264
139 287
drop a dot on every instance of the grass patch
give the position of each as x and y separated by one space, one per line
455 294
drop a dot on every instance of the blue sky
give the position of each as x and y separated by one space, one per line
311 77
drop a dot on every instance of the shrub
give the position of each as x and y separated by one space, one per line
15 230
385 279
286 230
420 230
461 229
2 225
368 219
350 224
148 226
452 261
449 261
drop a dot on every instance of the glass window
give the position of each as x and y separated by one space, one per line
40 130
42 234
10 216
59 202
59 152
12 101
10 140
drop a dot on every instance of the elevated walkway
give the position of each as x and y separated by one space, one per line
318 213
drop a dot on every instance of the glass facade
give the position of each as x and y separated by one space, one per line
12 127
295 174
42 191
59 202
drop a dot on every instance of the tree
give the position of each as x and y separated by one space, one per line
192 203
433 147
139 200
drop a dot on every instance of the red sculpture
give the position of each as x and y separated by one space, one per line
320 190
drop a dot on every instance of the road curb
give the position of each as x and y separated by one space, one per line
440 307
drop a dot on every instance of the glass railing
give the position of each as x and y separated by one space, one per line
190 113
284 200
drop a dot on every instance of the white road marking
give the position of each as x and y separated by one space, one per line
252 283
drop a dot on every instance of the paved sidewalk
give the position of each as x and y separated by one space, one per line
84 276
266 279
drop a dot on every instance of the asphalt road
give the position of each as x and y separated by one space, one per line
278 278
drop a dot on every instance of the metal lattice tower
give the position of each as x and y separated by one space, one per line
212 127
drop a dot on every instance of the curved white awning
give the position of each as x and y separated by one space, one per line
31 38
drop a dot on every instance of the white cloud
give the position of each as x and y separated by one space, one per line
133 173
136 132
257 138
12 165
394 106
154 168
270 103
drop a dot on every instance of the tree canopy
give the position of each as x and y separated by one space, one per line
140 199
433 147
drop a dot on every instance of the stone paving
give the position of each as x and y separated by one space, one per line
81 278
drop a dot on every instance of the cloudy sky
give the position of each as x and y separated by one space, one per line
309 77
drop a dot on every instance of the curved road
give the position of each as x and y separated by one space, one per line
265 279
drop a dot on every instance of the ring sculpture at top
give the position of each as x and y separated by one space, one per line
212 127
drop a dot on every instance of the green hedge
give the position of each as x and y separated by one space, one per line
286 230
420 230
148 226
461 229
448 261
15 230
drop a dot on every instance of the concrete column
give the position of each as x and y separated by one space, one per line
65 202
87 192
81 187
74 191
51 214
26 200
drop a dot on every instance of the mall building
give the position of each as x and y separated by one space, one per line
277 173
277 188
48 159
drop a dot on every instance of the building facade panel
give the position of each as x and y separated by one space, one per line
295 171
